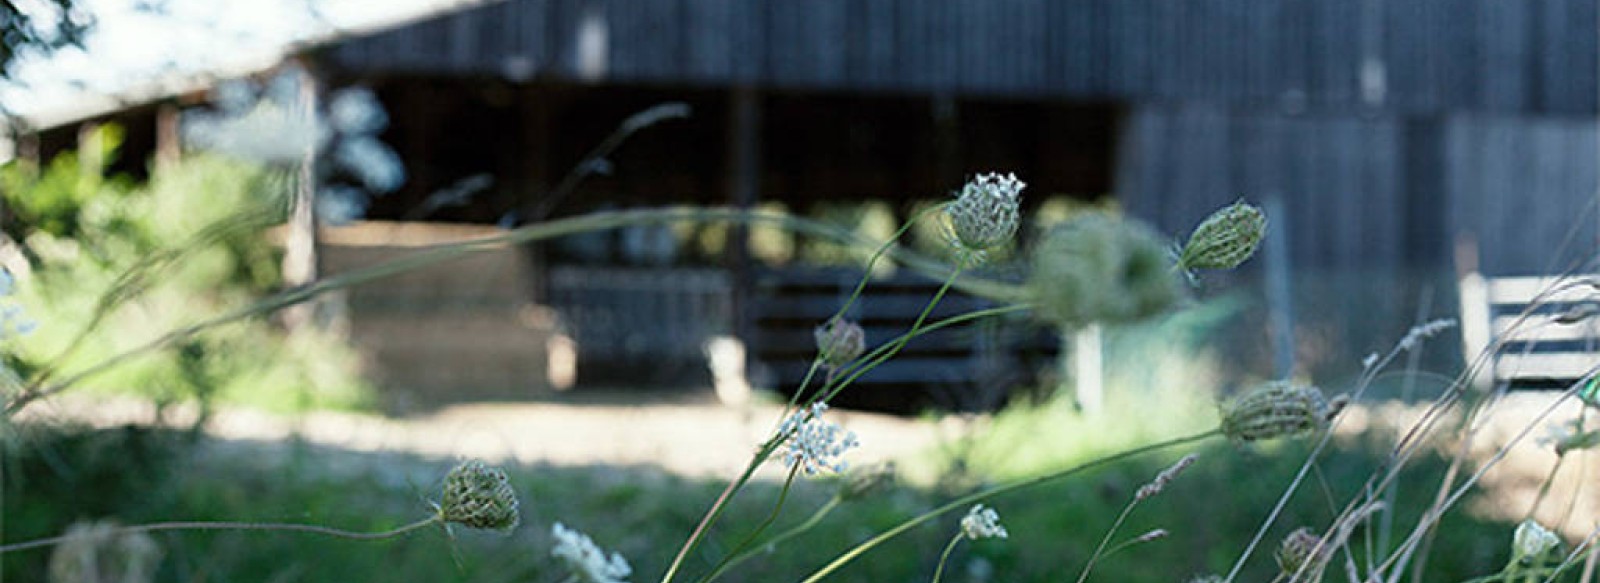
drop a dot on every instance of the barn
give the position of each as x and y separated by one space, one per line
1398 144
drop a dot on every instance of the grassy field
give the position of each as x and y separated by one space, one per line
138 475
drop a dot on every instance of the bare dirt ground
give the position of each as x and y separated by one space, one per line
691 435
695 436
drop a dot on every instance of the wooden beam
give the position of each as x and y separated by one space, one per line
743 170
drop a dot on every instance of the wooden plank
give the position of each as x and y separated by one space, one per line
1541 365
1544 328
900 370
1503 65
709 41
875 307
525 22
801 341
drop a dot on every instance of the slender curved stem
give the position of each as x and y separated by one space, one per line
719 506
224 525
963 501
893 347
780 538
1100 551
766 450
878 254
938 572
744 545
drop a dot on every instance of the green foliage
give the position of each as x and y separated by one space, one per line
113 265
139 475
1161 381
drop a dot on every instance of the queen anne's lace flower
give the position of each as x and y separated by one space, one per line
813 444
587 562
982 522
984 214
1532 540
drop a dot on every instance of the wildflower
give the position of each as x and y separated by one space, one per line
102 551
1165 477
478 496
1278 409
984 214
1531 541
587 562
1225 239
813 444
981 522
1095 268
839 342
1301 552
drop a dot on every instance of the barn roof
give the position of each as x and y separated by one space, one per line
1408 56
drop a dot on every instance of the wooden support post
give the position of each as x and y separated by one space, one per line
300 248
1280 303
744 184
169 143
1089 364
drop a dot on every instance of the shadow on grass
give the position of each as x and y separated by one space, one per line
135 475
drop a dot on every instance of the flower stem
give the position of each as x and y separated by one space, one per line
938 571
744 545
1099 551
893 347
797 530
224 525
969 499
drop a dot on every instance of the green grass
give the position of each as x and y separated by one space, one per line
137 475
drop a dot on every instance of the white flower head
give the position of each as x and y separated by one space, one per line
587 562
813 444
985 213
1532 540
982 522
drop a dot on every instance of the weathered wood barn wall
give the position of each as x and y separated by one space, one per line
1393 134
1389 128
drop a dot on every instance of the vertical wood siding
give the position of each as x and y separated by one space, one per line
1379 193
1427 55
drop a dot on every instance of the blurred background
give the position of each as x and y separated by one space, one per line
1418 160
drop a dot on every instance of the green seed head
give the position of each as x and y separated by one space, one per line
1300 553
479 496
1096 268
985 213
1278 409
839 342
1225 239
